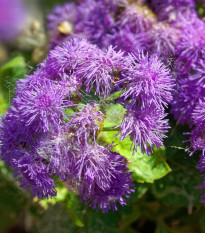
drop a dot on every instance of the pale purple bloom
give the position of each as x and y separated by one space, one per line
58 149
197 139
86 123
42 107
95 20
32 175
114 183
173 11
65 60
146 127
163 39
190 50
186 97
60 14
136 18
199 113
95 168
147 80
125 40
99 70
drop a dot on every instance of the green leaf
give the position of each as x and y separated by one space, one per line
9 74
180 187
114 114
145 168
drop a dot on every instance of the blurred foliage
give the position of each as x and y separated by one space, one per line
12 71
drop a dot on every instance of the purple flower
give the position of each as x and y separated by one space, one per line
96 20
186 97
125 40
99 70
32 175
197 139
163 39
86 123
42 107
173 10
146 127
198 71
14 134
199 113
94 168
201 164
61 23
12 19
147 80
104 179
137 18
61 14
190 50
64 60
31 80
58 149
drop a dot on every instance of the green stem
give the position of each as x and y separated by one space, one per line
110 129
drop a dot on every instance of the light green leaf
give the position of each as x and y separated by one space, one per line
9 74
145 168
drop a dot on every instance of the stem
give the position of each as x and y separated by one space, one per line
110 129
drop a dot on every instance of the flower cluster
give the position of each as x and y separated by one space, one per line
151 55
168 29
52 130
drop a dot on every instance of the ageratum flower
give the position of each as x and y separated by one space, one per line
197 139
32 175
201 164
96 20
186 97
94 168
173 11
31 80
146 127
137 18
190 50
61 22
12 19
64 60
113 184
58 149
128 42
86 123
61 14
39 140
199 113
199 72
42 107
163 39
147 80
14 134
99 70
